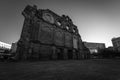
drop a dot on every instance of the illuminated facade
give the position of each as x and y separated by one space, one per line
14 47
4 45
94 47
116 43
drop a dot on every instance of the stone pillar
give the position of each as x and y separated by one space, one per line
54 55
74 55
81 54
24 55
78 54
30 53
65 54
17 55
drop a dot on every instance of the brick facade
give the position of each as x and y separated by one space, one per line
46 35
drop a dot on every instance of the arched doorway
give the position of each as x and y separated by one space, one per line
60 54
70 54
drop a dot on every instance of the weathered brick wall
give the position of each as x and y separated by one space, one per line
46 35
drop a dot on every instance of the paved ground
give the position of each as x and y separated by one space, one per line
61 70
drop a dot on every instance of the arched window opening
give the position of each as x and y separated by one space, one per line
58 23
74 30
67 27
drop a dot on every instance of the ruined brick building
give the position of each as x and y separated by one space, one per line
46 35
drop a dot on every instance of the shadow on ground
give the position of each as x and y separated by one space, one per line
101 69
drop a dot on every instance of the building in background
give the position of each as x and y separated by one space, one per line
46 35
111 48
4 47
116 43
94 47
14 47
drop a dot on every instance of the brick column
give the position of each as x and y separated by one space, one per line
78 54
54 55
65 54
74 55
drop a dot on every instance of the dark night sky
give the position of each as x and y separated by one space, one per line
97 20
